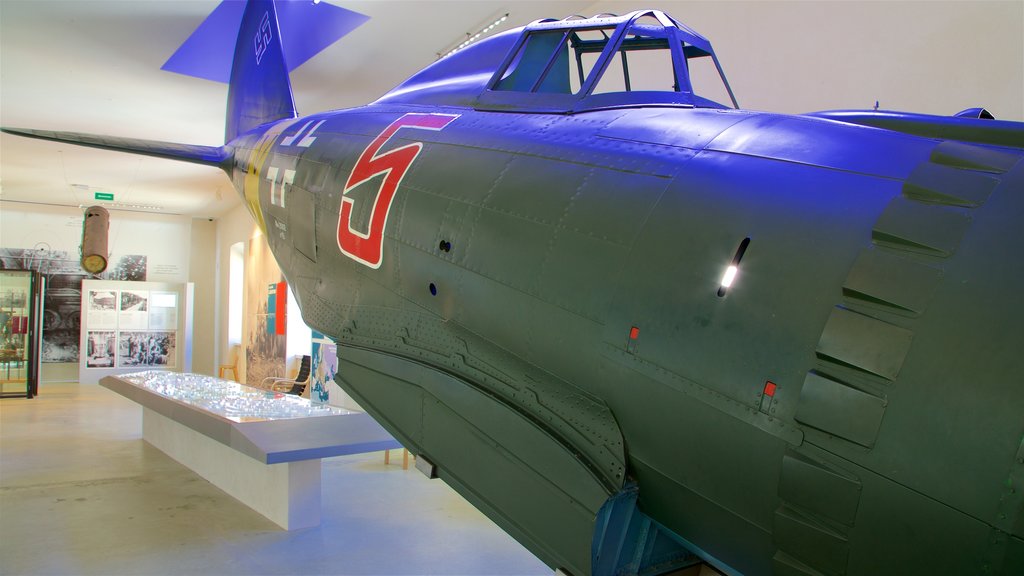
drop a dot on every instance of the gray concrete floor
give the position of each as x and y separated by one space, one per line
82 493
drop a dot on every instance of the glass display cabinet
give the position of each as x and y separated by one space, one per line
19 333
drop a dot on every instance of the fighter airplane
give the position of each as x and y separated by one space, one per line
639 327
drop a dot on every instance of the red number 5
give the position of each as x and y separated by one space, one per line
368 248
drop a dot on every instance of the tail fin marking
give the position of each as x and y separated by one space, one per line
259 91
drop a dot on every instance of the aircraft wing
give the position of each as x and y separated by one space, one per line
216 156
977 130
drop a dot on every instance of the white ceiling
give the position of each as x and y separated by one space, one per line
94 66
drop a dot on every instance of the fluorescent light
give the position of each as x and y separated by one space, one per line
129 206
472 37
729 276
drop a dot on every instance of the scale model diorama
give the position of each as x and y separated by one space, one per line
639 328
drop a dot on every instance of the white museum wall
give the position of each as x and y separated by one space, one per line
203 266
794 57
235 226
178 248
300 336
163 239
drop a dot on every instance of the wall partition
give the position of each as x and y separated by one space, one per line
134 326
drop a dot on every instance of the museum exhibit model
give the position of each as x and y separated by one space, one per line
641 328
229 400
262 447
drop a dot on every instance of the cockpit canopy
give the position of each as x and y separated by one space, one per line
577 64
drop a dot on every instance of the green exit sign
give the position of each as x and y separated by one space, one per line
104 196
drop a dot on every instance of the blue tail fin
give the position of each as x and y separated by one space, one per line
259 91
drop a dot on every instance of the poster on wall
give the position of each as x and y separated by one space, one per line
132 309
265 348
102 311
163 311
13 299
146 348
324 368
101 347
62 308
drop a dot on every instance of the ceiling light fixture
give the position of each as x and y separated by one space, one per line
126 206
472 37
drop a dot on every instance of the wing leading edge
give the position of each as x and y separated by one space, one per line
217 156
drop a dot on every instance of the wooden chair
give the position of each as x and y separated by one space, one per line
235 352
405 458
295 385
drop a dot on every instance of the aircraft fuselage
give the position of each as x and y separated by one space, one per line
569 269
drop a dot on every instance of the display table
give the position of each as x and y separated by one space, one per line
261 447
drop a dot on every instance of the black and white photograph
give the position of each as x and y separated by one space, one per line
131 268
100 349
132 310
101 308
134 300
146 348
102 300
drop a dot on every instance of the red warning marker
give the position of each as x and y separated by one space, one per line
769 388
634 335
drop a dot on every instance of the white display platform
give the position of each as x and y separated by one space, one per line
262 448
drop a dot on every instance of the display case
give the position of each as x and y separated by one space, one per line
20 296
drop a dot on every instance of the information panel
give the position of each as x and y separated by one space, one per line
129 326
